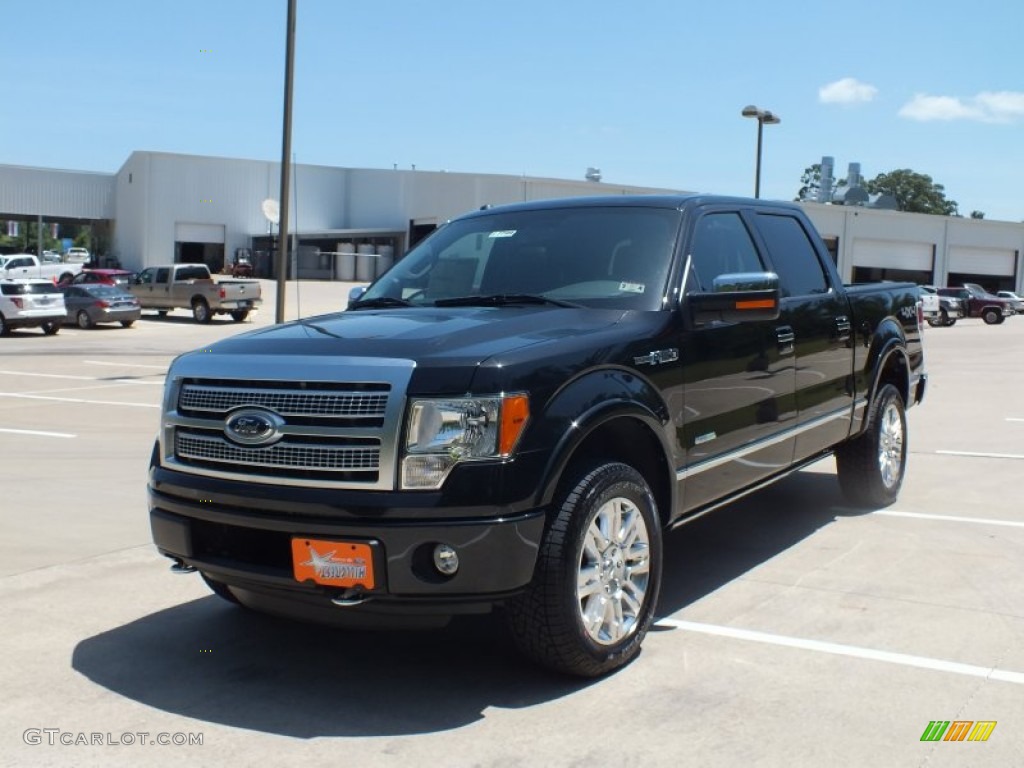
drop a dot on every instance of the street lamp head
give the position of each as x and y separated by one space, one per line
762 115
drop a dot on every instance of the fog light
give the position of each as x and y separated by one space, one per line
446 560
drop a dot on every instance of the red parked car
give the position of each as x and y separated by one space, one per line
119 277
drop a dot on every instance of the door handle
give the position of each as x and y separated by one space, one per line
786 338
843 328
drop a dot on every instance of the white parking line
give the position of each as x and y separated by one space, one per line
77 400
838 649
980 455
35 432
129 365
1013 418
949 518
48 375
70 377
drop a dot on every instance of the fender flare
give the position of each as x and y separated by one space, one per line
888 341
591 401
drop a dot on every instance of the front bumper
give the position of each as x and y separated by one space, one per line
250 550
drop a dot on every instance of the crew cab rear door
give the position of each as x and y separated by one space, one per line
816 312
738 389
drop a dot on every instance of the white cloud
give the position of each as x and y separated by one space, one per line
849 90
986 107
1002 104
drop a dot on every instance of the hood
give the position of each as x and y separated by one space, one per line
453 339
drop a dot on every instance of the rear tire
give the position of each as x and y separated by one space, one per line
598 573
5 329
871 467
83 320
50 329
201 311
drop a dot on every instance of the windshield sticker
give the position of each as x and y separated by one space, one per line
503 233
631 287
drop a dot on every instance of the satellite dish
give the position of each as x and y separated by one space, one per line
271 210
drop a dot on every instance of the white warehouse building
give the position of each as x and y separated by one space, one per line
162 207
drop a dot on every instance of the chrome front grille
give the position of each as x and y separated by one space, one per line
304 457
341 419
287 402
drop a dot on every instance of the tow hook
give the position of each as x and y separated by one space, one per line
180 567
350 597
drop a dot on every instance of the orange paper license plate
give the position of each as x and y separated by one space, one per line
333 563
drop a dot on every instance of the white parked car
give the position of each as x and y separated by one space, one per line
1016 299
31 303
77 255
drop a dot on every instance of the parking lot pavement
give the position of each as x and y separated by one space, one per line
792 629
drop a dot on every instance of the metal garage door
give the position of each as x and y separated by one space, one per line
982 261
893 254
198 233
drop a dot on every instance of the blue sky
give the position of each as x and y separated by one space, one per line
649 92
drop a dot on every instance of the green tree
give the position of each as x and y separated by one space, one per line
914 192
977 214
810 183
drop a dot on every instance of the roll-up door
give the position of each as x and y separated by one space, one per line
893 254
199 233
982 261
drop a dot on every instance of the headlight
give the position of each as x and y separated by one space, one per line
443 432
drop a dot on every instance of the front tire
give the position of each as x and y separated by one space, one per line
871 467
51 328
598 573
239 315
991 316
127 323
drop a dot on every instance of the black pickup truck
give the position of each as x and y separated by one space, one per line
514 414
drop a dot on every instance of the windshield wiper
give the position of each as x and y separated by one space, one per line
501 300
379 303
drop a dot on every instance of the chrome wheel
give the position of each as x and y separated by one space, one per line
613 572
890 446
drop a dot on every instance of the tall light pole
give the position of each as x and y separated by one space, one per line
286 166
762 116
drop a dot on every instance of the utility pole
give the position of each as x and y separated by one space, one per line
286 164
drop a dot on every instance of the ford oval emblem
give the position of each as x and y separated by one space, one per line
253 426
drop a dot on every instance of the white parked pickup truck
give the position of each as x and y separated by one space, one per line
24 265
190 286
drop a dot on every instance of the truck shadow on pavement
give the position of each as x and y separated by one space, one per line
214 662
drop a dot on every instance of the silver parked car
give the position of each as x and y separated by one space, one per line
89 304
1016 299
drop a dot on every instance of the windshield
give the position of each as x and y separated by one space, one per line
607 257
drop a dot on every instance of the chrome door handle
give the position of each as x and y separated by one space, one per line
786 339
